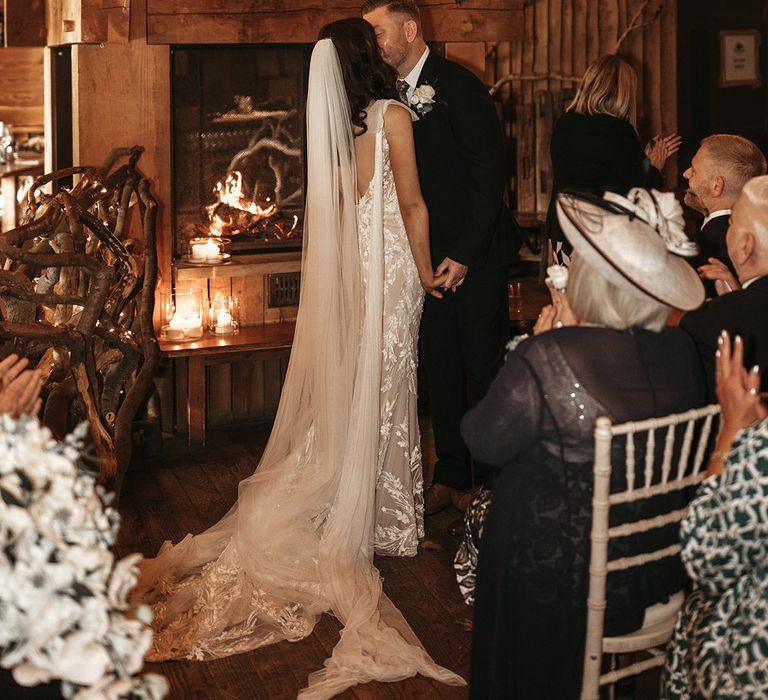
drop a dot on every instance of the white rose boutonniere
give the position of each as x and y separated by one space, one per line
423 99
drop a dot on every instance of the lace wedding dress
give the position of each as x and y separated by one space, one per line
399 493
341 473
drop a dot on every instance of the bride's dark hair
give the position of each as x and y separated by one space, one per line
366 76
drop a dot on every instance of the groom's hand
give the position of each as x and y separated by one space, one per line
455 271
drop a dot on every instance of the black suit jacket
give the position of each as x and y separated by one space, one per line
711 241
594 153
743 312
462 169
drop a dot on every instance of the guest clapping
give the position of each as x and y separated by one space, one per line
536 426
595 147
742 312
718 171
720 645
19 387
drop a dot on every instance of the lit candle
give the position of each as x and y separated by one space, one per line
185 327
199 251
224 322
212 250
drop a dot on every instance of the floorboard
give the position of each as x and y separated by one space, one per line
187 490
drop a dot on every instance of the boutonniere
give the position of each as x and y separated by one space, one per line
423 99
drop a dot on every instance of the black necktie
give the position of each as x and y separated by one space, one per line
402 91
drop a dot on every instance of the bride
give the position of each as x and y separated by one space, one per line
341 474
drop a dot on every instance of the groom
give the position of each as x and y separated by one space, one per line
460 154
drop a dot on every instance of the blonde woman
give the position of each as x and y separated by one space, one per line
595 146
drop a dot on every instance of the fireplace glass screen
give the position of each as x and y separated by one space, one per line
238 119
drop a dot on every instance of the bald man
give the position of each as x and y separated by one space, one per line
743 312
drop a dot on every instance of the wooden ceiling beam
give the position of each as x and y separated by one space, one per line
267 21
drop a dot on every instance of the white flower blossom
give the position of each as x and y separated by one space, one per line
558 274
62 596
422 99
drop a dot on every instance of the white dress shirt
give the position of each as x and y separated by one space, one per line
714 215
413 77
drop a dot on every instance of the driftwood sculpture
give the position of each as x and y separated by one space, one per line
77 297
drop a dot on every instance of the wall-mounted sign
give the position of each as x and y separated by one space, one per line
740 57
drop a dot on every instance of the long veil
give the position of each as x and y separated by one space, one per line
299 540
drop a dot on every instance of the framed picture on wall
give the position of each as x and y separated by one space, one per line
740 57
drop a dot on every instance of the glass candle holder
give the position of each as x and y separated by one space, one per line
186 319
165 308
209 250
224 315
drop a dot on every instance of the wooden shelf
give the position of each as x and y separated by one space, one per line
265 342
240 266
273 336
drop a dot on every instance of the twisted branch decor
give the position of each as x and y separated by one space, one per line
77 297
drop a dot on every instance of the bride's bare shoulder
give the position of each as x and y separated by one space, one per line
397 116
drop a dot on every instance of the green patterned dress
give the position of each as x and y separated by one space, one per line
720 646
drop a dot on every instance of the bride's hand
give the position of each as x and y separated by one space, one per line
433 283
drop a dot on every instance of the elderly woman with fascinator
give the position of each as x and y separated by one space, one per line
536 426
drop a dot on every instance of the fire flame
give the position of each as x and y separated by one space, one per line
230 194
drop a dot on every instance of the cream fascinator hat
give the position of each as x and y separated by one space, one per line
637 239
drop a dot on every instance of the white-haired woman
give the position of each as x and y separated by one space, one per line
595 146
536 426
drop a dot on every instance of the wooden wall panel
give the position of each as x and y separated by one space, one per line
24 22
560 38
21 88
121 96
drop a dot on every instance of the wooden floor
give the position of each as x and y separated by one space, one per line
187 491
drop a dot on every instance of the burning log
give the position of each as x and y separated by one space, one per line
78 300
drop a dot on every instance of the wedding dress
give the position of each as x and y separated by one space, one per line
341 473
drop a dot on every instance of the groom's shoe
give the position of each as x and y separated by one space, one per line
436 498
462 499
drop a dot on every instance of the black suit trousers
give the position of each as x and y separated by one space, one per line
463 339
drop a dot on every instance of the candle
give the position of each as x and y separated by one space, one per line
224 322
199 251
212 250
185 327
206 250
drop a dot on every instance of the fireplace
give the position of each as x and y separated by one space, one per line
238 145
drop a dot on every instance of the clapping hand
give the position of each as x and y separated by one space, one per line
717 270
738 389
660 148
19 387
557 314
455 273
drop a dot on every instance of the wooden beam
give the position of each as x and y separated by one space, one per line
444 22
88 21
351 7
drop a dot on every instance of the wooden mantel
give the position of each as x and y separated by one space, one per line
256 21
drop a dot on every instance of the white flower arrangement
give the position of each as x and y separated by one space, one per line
423 99
64 612
558 275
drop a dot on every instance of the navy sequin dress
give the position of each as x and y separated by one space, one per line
536 426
